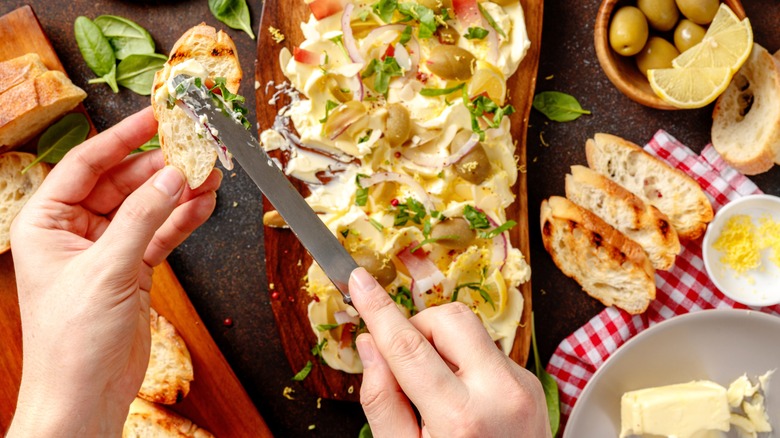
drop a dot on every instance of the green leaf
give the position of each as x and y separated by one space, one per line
549 385
385 9
491 21
60 138
476 33
425 16
136 72
326 327
361 194
498 230
365 432
125 36
329 106
153 143
234 13
406 35
383 71
432 92
558 107
94 47
304 372
403 296
475 218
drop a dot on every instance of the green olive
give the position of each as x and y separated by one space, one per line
699 11
474 167
454 233
448 35
382 268
451 63
688 34
657 53
399 124
628 31
661 14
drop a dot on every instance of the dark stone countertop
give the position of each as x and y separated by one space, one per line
222 265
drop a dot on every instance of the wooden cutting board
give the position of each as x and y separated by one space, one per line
217 401
287 261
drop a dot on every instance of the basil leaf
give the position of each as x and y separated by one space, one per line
153 143
303 373
549 385
385 9
136 72
125 36
365 432
96 51
476 33
476 219
234 13
432 92
558 107
406 35
60 138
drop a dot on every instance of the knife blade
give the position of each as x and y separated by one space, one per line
226 130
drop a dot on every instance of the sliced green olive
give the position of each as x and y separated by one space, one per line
474 167
454 233
451 62
399 124
448 35
382 268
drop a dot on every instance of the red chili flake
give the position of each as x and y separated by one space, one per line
422 77
397 154
394 202
228 322
275 295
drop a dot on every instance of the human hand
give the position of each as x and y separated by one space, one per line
442 361
83 248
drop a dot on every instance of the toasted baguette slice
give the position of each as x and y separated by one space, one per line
147 420
31 106
16 188
673 192
746 119
17 70
169 373
625 211
608 265
180 143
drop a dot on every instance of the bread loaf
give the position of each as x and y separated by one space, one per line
169 373
31 106
181 145
746 118
673 192
16 188
625 211
147 420
609 266
17 70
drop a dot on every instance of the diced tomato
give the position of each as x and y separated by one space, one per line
467 12
325 8
347 334
389 52
306 56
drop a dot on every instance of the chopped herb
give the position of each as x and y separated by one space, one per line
410 210
317 350
473 286
435 239
426 17
496 231
376 224
432 92
475 218
439 175
490 20
383 71
385 9
403 296
406 35
479 107
326 327
303 373
363 15
435 213
329 106
365 138
476 33
345 232
361 194
426 229
235 101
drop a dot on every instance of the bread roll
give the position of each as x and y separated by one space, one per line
17 70
16 188
169 373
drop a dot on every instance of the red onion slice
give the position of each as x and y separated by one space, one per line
434 161
342 317
407 180
348 39
425 275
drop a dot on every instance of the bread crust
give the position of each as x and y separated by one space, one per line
17 70
16 189
608 265
674 193
169 374
146 419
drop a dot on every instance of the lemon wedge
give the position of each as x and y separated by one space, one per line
493 288
689 87
488 79
727 43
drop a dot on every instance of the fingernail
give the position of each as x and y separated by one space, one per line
169 181
363 279
366 351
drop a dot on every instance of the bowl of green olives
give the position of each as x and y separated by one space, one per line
633 36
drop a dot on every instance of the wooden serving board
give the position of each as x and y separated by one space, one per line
287 261
217 401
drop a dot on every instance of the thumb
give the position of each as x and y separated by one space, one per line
140 215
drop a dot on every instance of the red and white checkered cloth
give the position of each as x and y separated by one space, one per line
682 289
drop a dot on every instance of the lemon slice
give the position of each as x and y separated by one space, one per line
689 87
488 79
494 288
727 43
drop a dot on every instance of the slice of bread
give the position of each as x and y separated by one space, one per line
16 188
181 145
609 266
17 70
31 106
169 373
625 211
148 420
746 118
673 192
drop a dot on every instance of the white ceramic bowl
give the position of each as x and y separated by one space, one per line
758 287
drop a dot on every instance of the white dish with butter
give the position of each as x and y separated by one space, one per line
717 345
759 283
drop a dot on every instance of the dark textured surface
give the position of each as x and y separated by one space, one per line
221 265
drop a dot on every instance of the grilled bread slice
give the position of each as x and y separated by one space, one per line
17 70
181 145
148 420
625 211
609 266
32 105
169 373
16 188
746 118
671 191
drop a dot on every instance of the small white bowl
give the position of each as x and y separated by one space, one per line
757 287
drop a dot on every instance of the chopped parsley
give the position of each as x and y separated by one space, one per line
412 210
477 287
365 137
475 218
383 71
376 224
434 239
496 231
491 21
476 33
385 9
329 106
428 19
406 35
317 350
303 373
432 92
361 194
363 15
326 327
482 106
403 296
235 101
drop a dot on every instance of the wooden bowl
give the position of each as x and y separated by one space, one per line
622 70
